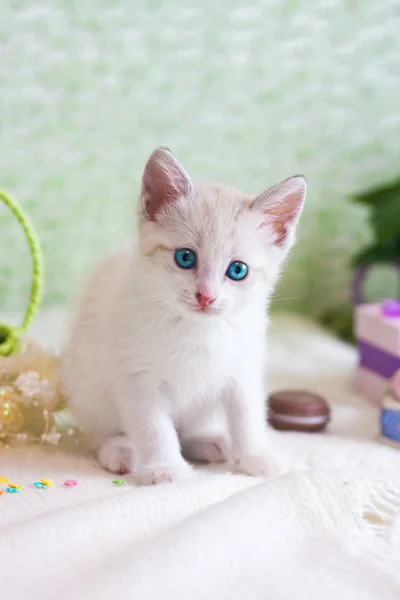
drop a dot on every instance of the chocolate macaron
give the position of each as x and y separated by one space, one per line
298 410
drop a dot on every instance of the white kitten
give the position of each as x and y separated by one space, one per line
167 351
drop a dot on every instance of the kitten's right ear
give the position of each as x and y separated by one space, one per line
164 182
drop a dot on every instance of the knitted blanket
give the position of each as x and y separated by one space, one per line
328 527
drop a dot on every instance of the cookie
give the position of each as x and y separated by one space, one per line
298 410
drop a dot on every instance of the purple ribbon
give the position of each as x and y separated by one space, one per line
391 308
377 360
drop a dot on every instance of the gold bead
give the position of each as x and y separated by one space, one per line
12 416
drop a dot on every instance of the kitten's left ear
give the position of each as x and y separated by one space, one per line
281 206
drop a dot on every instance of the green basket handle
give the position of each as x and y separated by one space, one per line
10 336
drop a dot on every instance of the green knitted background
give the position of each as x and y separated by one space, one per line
246 93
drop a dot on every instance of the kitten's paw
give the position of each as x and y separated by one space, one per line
209 450
155 474
115 455
258 465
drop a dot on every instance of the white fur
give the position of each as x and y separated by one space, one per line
149 377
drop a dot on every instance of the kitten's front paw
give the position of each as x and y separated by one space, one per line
258 465
155 474
115 455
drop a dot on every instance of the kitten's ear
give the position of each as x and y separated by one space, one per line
281 206
164 181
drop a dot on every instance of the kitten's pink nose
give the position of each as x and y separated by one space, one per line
204 301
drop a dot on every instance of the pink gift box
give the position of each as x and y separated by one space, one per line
372 326
377 330
370 385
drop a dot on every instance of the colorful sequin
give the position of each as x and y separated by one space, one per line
47 482
15 485
4 480
119 481
13 490
70 482
39 484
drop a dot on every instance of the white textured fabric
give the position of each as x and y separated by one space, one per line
327 528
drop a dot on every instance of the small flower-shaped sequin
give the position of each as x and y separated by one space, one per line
4 480
1 492
39 484
47 482
13 490
15 485
70 482
119 481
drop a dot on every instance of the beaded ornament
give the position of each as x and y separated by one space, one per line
30 398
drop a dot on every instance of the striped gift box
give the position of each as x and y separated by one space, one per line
377 330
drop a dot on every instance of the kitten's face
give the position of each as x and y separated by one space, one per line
209 254
209 249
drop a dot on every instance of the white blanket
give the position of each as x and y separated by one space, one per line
329 528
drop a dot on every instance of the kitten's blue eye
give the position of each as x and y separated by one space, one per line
185 258
237 270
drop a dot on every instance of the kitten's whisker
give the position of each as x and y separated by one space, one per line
275 327
152 306
288 298
164 321
146 311
152 323
155 297
151 276
154 278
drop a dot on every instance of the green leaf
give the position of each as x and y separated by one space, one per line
385 219
380 196
378 254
